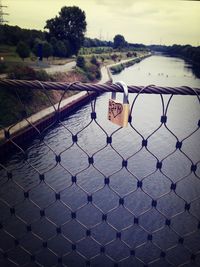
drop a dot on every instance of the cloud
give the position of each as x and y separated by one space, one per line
130 9
147 21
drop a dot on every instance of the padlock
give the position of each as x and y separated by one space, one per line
118 112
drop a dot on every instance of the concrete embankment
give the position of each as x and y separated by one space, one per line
35 125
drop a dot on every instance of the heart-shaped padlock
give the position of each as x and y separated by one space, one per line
118 112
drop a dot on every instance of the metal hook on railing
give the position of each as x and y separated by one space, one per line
125 88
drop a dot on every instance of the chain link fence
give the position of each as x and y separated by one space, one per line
84 192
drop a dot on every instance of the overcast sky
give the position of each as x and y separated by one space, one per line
140 21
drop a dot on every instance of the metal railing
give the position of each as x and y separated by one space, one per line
110 208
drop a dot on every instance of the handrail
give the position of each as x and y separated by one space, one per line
98 88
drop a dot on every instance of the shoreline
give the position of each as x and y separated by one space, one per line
120 66
34 125
25 130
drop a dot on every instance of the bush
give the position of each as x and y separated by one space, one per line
91 76
93 72
80 62
129 54
33 58
117 69
23 50
47 50
59 49
3 67
19 72
98 74
94 60
42 75
99 51
114 57
102 59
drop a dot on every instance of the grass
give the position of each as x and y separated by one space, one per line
17 104
112 57
9 54
103 54
117 69
95 50
12 111
11 58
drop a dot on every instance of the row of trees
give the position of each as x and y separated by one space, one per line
58 48
89 42
12 35
186 51
53 41
63 37
28 41
43 49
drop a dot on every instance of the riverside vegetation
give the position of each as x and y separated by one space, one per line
88 64
87 70
20 50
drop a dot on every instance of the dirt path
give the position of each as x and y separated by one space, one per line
61 68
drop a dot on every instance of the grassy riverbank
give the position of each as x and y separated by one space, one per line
17 104
118 67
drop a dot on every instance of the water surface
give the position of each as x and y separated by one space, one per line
137 199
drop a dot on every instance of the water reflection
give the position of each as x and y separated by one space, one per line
160 70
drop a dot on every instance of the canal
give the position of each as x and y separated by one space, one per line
87 207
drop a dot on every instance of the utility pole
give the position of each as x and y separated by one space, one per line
2 14
100 35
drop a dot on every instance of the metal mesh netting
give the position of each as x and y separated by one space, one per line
85 192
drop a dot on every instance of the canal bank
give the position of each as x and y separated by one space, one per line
34 126
120 66
106 173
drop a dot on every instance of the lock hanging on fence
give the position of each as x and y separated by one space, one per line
118 112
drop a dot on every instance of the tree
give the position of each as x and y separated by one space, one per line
119 41
94 61
67 48
36 44
69 26
80 62
23 50
12 35
60 49
47 50
53 42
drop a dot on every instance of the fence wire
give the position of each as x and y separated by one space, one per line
71 200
